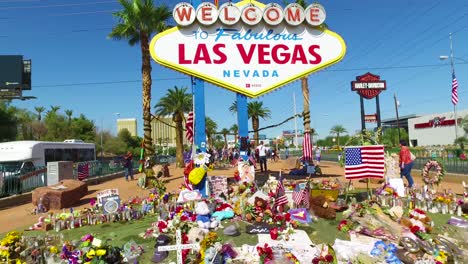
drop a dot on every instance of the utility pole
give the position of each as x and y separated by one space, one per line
397 117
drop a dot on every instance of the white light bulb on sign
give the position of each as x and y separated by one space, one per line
273 14
315 14
229 14
251 15
207 14
294 14
184 14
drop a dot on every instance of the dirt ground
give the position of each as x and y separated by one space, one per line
21 217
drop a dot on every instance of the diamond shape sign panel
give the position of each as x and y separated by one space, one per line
251 60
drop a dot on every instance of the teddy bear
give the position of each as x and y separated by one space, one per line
319 206
204 219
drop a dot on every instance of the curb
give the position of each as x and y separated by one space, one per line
25 198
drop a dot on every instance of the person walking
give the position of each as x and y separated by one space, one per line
406 163
128 165
262 153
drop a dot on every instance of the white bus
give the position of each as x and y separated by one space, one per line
26 156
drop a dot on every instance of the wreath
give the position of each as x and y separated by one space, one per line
440 172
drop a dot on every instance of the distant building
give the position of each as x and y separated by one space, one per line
435 129
163 132
129 123
392 122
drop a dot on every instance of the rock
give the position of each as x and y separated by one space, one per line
231 230
62 195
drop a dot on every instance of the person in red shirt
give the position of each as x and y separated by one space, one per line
406 163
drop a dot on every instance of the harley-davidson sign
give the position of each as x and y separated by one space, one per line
436 122
368 85
249 47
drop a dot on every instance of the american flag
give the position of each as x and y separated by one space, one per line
307 147
301 196
189 127
454 90
83 171
364 162
281 198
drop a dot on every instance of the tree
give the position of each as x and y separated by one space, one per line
54 109
461 141
390 136
83 128
176 102
337 130
225 132
234 129
69 114
464 124
138 20
210 129
39 110
24 122
8 122
255 110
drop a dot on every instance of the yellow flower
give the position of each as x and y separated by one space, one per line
53 250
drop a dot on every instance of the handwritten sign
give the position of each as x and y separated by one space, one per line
218 186
106 193
260 228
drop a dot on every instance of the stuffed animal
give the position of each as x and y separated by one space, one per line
204 219
319 205
195 235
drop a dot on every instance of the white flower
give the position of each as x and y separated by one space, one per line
201 158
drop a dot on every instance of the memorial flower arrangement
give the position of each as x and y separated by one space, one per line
327 255
265 253
387 190
437 177
326 184
385 253
10 247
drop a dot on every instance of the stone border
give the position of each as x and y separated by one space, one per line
25 198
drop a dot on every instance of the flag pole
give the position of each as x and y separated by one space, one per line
453 74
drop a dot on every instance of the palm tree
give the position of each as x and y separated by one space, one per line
39 110
54 109
138 20
234 129
464 124
337 130
69 114
225 132
255 110
210 129
176 102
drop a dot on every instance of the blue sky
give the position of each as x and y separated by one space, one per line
77 67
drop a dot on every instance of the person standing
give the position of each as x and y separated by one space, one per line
286 152
406 163
128 166
262 153
318 155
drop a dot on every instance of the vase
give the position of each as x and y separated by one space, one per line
459 211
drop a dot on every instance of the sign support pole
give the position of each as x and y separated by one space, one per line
377 104
243 124
363 121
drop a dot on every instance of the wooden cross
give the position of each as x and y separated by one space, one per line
179 247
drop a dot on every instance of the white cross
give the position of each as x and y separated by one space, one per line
179 247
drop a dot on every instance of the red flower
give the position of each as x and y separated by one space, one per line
287 217
315 261
162 225
184 218
329 258
415 229
279 217
342 224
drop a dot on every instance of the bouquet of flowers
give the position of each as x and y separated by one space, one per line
265 253
327 255
10 247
